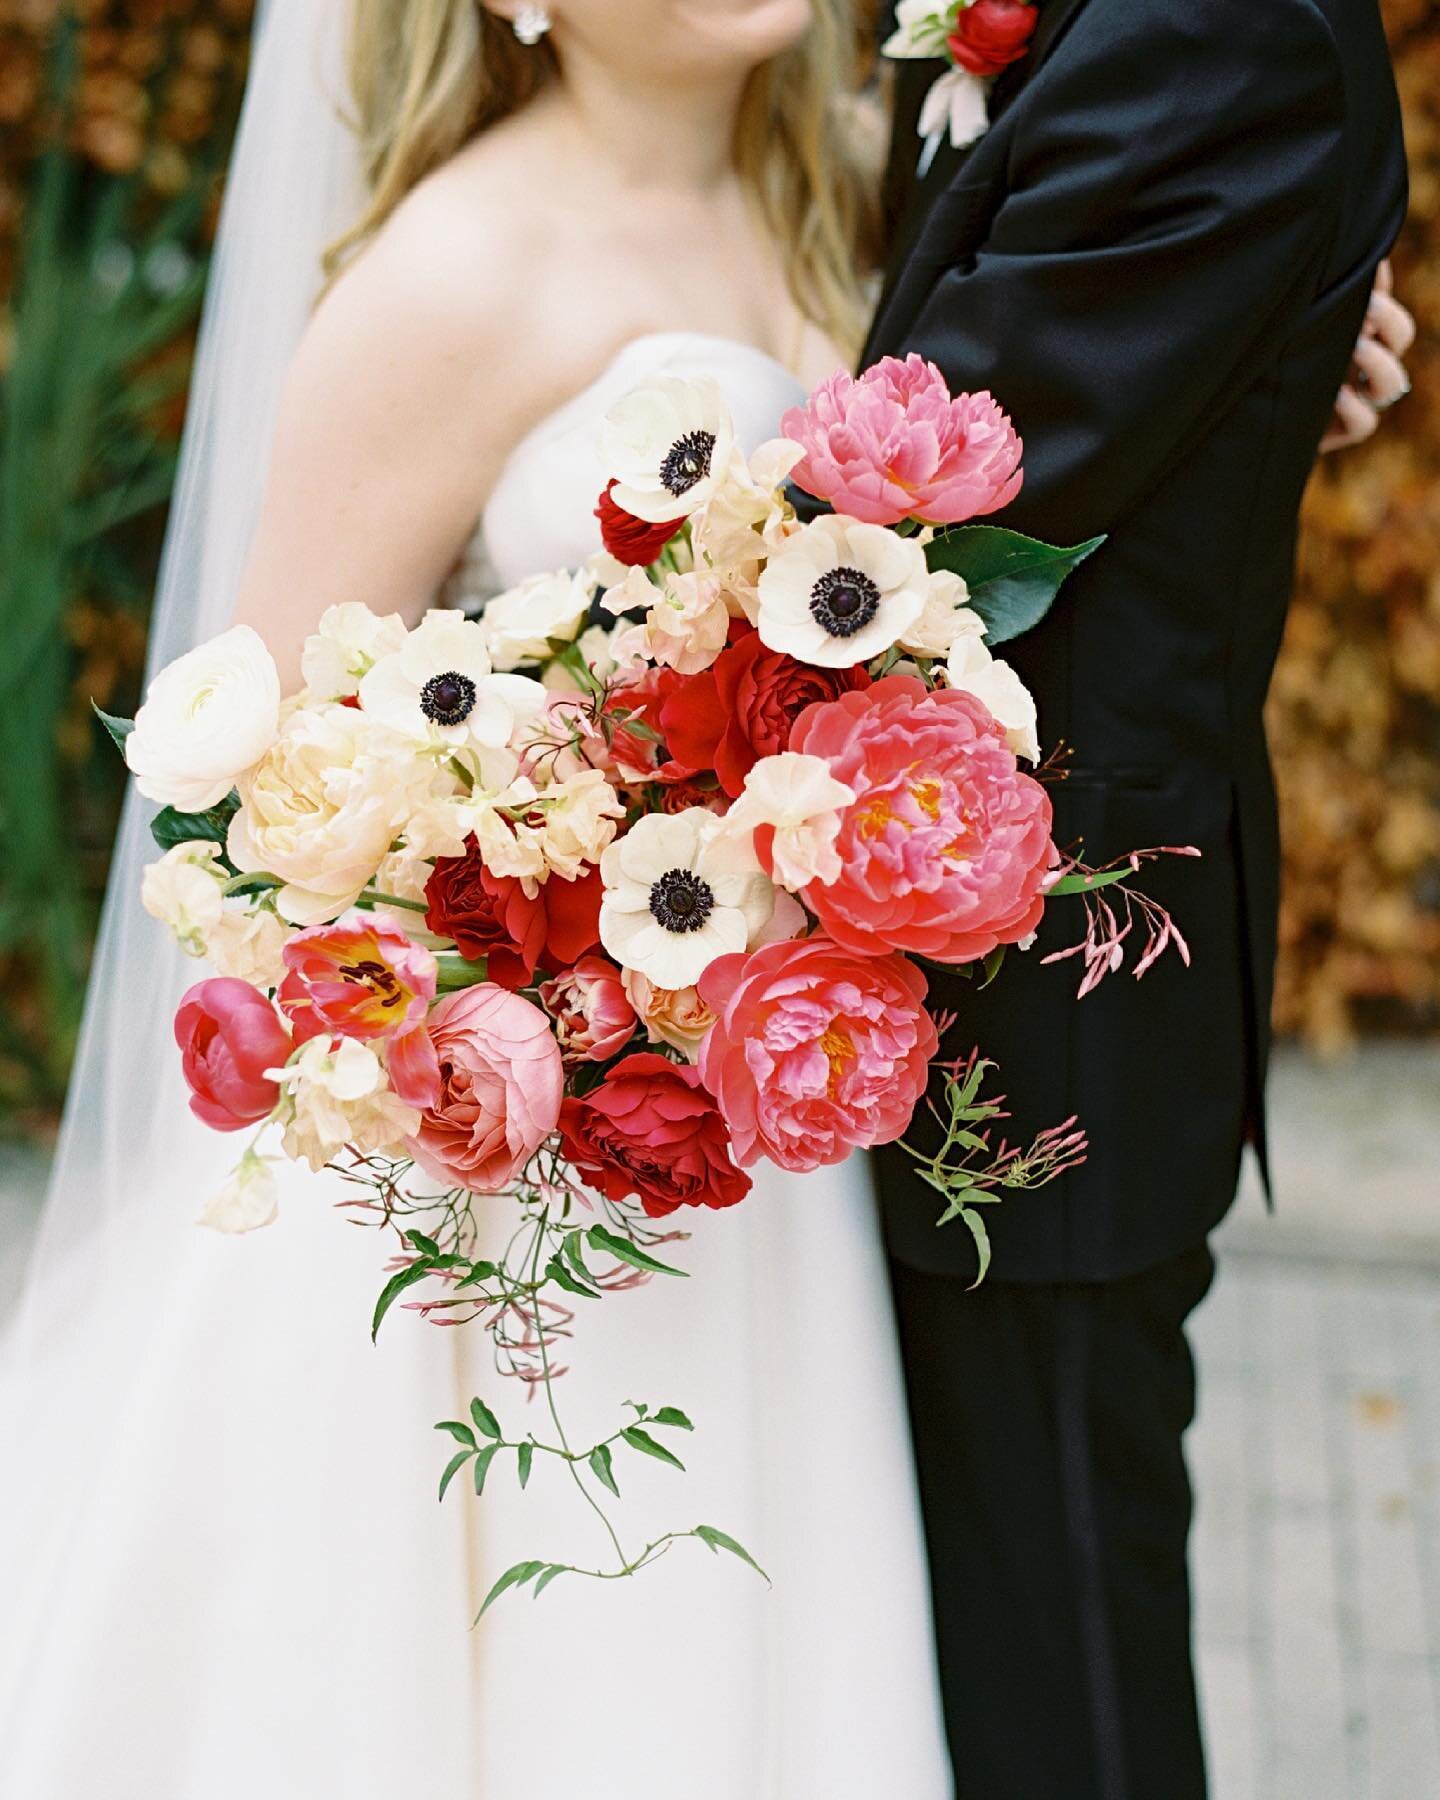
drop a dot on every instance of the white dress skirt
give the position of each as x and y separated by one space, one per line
223 1571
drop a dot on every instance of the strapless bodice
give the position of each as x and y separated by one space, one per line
541 512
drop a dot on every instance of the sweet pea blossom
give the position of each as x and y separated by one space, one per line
335 1094
248 1200
185 890
208 716
678 893
791 805
439 689
894 444
345 646
524 623
948 615
974 670
840 592
249 943
667 443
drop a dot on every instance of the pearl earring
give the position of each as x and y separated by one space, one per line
532 22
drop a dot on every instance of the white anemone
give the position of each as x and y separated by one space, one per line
679 893
974 670
439 688
839 592
208 716
666 445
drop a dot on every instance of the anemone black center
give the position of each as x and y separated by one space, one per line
844 601
687 461
448 699
681 901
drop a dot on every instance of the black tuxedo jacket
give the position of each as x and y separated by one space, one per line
1158 259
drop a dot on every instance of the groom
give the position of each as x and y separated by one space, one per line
1159 259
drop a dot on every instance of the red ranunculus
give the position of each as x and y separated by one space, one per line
651 1130
743 706
992 34
635 542
229 1035
491 916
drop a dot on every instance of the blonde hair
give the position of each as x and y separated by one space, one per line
429 75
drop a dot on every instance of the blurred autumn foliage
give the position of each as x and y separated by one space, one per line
114 123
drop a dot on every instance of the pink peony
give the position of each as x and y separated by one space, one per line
816 1050
945 849
593 1016
359 978
893 444
501 1084
229 1035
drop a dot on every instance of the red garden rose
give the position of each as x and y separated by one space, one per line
635 542
743 706
651 1130
492 916
992 34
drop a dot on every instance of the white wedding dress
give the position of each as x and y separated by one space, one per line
223 1572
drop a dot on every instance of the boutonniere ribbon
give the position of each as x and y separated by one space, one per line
979 39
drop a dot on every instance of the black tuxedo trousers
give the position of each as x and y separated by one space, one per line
1158 259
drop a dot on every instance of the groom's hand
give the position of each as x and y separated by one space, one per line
1377 376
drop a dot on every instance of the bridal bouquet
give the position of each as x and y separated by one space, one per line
593 904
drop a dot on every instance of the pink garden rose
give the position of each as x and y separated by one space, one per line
229 1035
501 1083
593 1016
945 849
816 1051
893 444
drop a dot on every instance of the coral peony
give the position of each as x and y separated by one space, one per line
816 1050
893 444
229 1036
594 1019
743 707
650 1130
501 1082
492 916
945 851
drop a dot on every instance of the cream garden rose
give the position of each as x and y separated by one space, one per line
208 716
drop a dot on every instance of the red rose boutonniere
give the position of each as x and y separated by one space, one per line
979 38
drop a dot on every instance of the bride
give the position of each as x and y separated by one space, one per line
223 1569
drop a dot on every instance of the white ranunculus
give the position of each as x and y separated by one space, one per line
838 592
947 616
521 624
185 890
995 684
323 806
208 716
802 800
248 1200
666 445
678 894
439 689
345 646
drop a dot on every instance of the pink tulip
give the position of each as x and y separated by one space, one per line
360 977
229 1035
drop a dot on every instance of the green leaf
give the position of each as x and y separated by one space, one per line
642 1440
1086 884
169 827
602 1468
575 1256
527 1457
418 1241
672 1415
992 966
119 729
719 1540
452 1469
485 1420
624 1251
483 1460
513 1577
958 1210
462 1434
392 1291
549 1575
1013 580
480 1271
556 1271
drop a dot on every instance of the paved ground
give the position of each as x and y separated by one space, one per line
1317 1452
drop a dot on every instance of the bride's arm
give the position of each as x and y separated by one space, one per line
396 416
